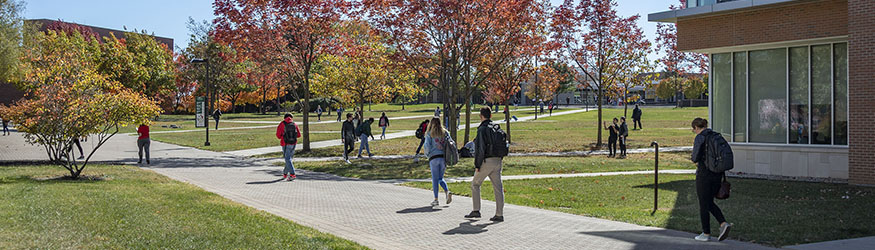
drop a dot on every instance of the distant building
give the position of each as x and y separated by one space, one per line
9 93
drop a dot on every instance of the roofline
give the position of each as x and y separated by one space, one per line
46 20
672 16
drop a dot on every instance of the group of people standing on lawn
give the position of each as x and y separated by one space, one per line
619 132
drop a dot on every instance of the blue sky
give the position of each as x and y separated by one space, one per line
168 18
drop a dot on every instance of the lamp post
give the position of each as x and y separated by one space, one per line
209 96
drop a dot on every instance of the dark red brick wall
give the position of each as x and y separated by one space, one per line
861 80
806 20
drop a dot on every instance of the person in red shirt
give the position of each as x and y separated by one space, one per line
143 142
288 133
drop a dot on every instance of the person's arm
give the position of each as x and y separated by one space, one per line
279 131
698 148
479 148
298 130
428 143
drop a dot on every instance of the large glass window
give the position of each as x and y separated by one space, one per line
739 79
721 96
799 95
821 94
768 96
840 81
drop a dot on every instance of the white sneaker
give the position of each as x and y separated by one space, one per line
348 162
449 197
434 203
703 237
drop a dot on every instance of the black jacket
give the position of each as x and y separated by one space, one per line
614 129
480 143
699 154
636 114
347 132
624 130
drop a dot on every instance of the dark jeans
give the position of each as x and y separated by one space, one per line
707 185
348 147
143 145
421 141
612 146
636 124
623 145
217 124
78 145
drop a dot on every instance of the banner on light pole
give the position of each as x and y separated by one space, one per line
200 112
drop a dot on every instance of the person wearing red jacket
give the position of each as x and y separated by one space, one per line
143 142
288 133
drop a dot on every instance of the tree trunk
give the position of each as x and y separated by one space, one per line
507 120
625 102
306 134
467 121
598 143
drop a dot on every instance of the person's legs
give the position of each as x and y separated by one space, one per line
78 145
217 124
383 136
497 187
639 124
479 177
714 187
288 157
140 144
421 141
705 190
146 148
442 170
434 164
622 146
291 159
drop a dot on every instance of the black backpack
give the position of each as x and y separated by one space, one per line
358 130
496 142
290 134
420 132
719 153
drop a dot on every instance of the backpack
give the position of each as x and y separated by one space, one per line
496 142
420 132
451 152
290 134
358 130
719 154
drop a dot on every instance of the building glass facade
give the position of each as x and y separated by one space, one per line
796 95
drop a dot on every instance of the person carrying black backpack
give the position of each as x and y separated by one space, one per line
420 133
713 157
490 147
288 133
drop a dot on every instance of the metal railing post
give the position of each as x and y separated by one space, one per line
655 177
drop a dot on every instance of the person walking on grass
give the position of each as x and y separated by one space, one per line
384 122
612 138
216 115
365 131
437 111
288 133
420 133
707 182
143 142
347 136
636 118
434 149
319 113
624 133
490 146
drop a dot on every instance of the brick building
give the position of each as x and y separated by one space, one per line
791 82
9 93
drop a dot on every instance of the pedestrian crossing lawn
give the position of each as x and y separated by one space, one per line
136 209
775 213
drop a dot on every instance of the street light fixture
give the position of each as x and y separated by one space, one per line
209 95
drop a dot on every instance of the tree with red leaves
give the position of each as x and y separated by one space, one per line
287 35
676 63
601 43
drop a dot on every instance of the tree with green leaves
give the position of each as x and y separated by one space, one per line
11 38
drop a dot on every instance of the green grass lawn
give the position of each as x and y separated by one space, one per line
230 140
408 169
136 209
775 213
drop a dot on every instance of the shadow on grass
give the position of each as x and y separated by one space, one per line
469 228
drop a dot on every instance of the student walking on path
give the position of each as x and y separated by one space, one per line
624 133
612 138
347 136
5 126
420 133
636 118
216 115
489 151
288 133
339 113
78 145
365 131
319 113
434 149
707 182
143 142
384 122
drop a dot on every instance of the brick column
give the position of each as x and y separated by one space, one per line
861 81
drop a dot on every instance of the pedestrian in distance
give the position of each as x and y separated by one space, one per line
347 136
288 133
489 150
541 105
356 120
624 134
551 108
364 131
636 118
5 126
216 115
567 101
434 149
437 111
708 183
143 143
78 145
384 123
420 133
319 113
614 130
339 113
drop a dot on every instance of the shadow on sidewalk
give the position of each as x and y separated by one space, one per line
469 228
265 182
308 175
661 239
425 209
